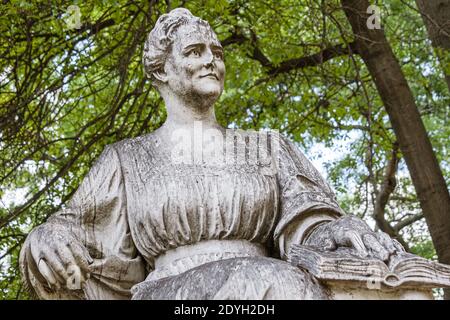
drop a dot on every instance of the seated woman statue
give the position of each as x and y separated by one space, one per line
145 225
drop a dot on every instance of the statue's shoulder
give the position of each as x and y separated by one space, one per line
271 133
131 145
277 139
287 147
275 134
280 140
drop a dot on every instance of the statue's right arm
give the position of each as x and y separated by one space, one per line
51 257
85 251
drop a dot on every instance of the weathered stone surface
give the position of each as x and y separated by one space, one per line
193 210
344 291
253 278
350 276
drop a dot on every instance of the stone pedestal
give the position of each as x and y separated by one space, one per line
349 277
354 291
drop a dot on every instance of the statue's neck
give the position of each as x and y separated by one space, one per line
184 113
181 116
188 115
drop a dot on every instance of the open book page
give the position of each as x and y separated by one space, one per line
404 269
413 269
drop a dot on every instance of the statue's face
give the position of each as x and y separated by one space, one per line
195 67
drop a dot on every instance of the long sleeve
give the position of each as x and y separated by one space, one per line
306 200
97 217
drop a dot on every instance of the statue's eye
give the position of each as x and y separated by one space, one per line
195 53
218 54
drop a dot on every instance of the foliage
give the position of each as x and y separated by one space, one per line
65 93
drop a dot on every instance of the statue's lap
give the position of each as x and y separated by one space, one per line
253 278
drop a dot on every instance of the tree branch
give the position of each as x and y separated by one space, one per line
290 64
314 59
382 198
407 221
234 38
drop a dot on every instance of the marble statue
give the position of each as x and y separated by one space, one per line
181 213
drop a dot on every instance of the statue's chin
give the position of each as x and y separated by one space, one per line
208 93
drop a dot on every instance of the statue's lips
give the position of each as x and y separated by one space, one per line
210 75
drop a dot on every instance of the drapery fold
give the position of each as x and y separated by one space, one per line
97 216
306 199
135 204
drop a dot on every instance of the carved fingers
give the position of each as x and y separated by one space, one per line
58 261
365 244
398 246
354 233
47 273
387 242
81 256
374 246
60 258
351 238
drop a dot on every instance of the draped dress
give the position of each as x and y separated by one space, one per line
163 229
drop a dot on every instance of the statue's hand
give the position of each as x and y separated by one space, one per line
61 259
352 232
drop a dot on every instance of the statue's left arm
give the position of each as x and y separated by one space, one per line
310 214
93 228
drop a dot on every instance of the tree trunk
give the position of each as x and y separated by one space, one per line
436 17
414 143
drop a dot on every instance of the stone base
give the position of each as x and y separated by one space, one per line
353 292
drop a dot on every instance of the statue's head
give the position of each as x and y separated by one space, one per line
183 56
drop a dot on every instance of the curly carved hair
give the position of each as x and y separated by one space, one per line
159 41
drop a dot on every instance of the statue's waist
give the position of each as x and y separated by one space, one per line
186 257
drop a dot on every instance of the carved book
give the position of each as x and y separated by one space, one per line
403 270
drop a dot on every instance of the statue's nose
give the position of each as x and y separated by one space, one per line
209 65
209 59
